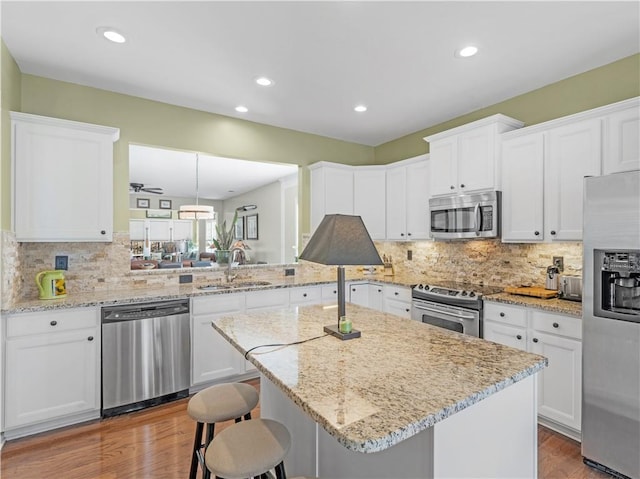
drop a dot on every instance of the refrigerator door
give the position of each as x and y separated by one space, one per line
611 347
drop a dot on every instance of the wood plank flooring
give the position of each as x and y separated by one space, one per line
156 443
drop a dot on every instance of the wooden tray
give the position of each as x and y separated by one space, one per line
535 291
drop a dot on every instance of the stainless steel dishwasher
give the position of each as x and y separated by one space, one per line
146 351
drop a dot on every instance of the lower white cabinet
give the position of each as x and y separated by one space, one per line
358 294
305 295
52 369
558 338
397 300
212 356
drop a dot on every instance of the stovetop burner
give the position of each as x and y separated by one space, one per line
452 292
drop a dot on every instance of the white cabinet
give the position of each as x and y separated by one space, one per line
331 191
52 369
305 295
212 357
407 199
369 185
376 296
359 293
397 300
329 293
464 159
558 338
543 174
63 179
622 133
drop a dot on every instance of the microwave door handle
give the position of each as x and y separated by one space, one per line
476 212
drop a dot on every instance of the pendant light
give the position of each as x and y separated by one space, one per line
196 212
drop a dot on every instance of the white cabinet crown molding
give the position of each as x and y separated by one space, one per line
598 112
77 125
490 120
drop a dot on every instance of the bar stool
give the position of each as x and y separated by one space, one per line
218 403
249 449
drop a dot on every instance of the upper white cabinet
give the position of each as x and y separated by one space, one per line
331 191
622 134
542 177
63 179
464 159
369 183
407 199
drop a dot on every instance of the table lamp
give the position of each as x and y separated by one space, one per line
341 240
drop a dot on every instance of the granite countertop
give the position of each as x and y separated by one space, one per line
370 393
555 305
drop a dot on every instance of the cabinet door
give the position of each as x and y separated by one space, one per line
50 376
63 182
399 308
523 188
623 141
396 203
476 160
212 355
500 333
417 200
160 230
573 153
559 384
136 230
329 293
376 296
182 230
369 199
443 159
305 295
359 294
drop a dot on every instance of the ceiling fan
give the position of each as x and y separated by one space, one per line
138 187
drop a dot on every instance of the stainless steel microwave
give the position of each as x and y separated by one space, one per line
465 216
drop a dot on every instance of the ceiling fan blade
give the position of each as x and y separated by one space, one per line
156 191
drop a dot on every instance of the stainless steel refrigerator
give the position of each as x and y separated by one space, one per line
611 324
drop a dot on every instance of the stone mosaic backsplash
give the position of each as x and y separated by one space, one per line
104 267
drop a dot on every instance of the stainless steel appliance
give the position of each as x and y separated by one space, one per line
611 324
449 305
570 287
146 355
465 216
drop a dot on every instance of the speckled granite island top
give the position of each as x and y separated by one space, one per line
373 392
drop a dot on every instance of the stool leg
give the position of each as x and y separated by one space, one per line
247 416
280 471
206 473
197 442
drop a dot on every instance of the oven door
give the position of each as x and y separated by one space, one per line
461 320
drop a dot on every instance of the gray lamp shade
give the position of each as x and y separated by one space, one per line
341 240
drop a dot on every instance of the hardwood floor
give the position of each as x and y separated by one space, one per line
156 443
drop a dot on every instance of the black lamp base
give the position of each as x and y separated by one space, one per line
334 331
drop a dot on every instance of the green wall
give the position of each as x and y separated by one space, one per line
10 100
608 84
159 124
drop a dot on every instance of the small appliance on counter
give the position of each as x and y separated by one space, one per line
570 287
551 281
51 284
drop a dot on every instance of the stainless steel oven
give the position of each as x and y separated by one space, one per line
465 216
453 306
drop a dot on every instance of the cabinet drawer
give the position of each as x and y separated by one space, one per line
556 324
399 308
24 324
304 295
330 292
218 303
399 293
505 313
269 298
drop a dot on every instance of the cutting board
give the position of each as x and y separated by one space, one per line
535 291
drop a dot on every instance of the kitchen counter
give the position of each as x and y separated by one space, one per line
375 392
555 305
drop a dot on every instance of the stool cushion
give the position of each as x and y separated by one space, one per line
248 448
222 402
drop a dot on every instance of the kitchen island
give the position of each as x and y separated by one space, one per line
406 400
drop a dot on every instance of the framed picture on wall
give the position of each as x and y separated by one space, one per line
142 203
165 204
239 232
252 227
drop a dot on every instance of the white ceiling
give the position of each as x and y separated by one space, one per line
218 178
325 57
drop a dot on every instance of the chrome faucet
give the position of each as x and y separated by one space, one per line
231 255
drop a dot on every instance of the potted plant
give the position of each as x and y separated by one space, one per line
224 239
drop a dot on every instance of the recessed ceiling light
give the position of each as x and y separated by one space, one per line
360 108
467 51
111 34
242 109
264 81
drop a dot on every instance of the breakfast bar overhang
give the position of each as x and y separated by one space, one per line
405 400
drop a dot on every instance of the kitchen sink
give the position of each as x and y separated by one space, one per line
249 284
213 287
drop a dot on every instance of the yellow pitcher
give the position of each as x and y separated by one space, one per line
51 284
